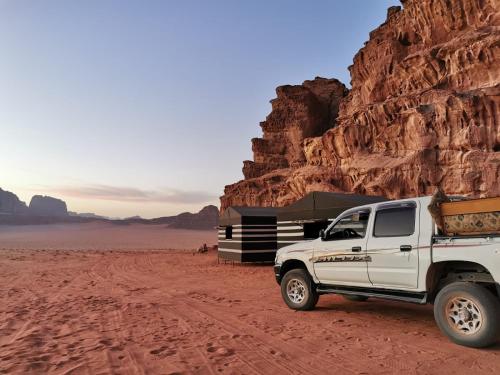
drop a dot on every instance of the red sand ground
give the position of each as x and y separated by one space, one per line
172 312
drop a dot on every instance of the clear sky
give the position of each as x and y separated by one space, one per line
148 107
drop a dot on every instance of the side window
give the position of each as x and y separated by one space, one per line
395 222
229 233
353 225
311 230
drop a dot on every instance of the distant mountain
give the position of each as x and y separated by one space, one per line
89 215
136 217
40 205
207 218
50 210
47 206
10 204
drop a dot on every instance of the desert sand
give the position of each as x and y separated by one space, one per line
178 312
101 236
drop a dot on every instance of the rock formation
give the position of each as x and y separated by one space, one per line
299 112
47 206
423 112
10 204
49 210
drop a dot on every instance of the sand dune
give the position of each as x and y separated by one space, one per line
173 312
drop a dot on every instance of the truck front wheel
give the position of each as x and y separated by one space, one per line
468 314
298 290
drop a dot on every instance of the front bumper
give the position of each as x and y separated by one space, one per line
277 272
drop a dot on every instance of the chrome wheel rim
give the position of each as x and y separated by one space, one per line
464 316
296 290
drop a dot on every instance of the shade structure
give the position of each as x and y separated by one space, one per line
304 219
248 234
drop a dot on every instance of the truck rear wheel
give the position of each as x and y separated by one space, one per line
298 290
468 314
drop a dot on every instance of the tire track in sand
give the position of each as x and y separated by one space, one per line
184 308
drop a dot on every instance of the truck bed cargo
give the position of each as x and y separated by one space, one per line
474 216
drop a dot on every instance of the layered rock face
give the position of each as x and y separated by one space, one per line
298 112
47 206
423 112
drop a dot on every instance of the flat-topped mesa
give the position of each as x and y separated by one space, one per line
423 112
47 206
298 112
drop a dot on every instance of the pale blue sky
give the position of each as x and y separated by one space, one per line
148 107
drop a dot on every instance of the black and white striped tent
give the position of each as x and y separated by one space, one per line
302 220
248 234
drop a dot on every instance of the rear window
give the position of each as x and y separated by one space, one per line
395 222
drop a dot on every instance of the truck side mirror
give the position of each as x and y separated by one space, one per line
322 234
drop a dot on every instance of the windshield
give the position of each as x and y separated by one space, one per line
350 225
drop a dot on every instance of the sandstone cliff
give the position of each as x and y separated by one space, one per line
423 111
299 112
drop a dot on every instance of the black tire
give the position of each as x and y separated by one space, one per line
354 297
468 314
307 298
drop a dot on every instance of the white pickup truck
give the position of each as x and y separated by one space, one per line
392 250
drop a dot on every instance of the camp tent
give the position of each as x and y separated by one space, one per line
247 234
304 219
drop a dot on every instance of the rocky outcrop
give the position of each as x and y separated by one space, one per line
10 204
39 205
298 112
423 112
47 206
42 210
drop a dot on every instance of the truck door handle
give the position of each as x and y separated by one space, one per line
405 248
356 249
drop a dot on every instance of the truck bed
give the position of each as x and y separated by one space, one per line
480 249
